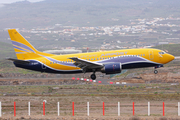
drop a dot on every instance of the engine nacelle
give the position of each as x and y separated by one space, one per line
112 68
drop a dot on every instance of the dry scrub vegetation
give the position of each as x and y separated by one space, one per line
95 95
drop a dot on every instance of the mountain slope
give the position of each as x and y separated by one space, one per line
83 12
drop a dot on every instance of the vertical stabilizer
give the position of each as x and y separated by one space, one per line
23 49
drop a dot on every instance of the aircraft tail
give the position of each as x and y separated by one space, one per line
23 49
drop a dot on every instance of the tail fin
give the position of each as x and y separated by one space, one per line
23 49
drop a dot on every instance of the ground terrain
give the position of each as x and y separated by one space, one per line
95 94
142 86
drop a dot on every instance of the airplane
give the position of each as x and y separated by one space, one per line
108 62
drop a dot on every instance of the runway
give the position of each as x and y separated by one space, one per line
67 81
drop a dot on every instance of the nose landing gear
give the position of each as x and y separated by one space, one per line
93 76
155 72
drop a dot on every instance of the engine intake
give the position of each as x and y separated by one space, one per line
112 68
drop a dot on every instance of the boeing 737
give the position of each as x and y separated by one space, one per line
108 62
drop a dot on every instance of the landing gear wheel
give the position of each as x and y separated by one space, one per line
155 72
93 76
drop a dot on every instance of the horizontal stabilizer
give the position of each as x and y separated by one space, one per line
19 61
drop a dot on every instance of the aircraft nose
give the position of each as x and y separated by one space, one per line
171 57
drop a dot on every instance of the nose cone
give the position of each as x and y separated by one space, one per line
170 57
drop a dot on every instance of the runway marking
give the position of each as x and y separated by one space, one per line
58 108
163 108
14 109
29 109
103 108
0 109
73 107
178 108
87 108
133 108
148 108
43 108
118 108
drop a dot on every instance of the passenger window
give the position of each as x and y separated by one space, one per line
94 58
97 58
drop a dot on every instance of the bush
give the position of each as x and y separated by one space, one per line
155 93
167 88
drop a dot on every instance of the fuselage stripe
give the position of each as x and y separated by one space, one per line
22 46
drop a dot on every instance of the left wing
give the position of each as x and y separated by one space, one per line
85 64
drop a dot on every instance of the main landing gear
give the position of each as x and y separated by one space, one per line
93 76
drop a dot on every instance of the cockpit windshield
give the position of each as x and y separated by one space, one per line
162 53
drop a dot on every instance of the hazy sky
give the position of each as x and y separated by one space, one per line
11 1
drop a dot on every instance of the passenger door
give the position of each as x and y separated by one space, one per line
151 55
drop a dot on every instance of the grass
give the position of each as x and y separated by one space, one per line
99 90
6 51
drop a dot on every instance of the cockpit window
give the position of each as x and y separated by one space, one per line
162 52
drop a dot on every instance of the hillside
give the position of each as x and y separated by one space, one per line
83 13
173 49
6 51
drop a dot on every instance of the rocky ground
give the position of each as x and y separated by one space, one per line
80 106
35 88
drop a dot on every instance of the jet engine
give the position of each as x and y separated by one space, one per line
112 68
